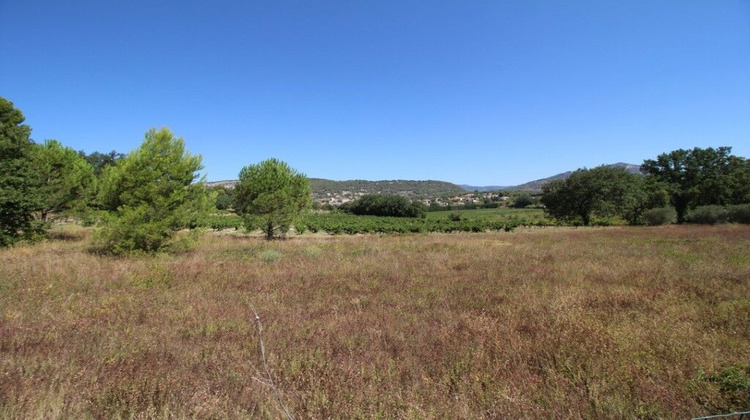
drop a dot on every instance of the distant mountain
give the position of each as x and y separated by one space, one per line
536 185
225 184
473 188
325 190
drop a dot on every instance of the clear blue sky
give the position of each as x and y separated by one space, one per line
480 92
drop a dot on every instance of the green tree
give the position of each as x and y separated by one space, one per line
151 194
20 196
65 178
270 196
700 177
100 161
523 200
385 205
603 191
223 197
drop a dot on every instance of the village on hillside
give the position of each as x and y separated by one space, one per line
335 198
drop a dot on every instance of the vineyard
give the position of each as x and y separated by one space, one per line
479 220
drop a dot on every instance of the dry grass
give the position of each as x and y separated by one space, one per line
591 323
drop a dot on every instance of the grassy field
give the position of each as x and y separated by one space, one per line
618 322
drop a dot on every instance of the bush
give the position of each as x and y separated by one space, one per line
523 201
127 232
739 213
300 227
734 386
708 215
386 206
659 216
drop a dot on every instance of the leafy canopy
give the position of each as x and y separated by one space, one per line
270 196
151 194
700 177
603 191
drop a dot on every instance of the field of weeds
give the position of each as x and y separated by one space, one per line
556 322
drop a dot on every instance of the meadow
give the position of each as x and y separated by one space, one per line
617 322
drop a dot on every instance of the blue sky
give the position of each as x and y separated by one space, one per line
477 92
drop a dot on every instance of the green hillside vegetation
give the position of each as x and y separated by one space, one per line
409 189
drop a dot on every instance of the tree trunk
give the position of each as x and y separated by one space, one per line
269 231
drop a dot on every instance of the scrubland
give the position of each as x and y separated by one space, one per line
617 322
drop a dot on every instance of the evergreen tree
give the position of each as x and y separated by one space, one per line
20 196
270 195
151 194
66 180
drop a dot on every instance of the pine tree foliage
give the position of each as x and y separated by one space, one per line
151 195
20 196
66 180
270 196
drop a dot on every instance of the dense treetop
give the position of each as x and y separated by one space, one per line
270 195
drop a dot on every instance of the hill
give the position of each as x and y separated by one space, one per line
324 190
336 192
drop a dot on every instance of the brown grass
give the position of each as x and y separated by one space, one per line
564 323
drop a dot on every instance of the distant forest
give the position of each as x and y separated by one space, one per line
410 189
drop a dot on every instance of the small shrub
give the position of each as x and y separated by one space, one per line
300 227
734 386
708 215
739 213
659 216
91 218
270 255
313 251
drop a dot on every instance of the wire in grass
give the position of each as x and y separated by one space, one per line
268 381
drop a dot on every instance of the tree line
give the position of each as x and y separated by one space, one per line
679 181
141 200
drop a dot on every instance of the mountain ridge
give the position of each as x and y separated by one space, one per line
322 188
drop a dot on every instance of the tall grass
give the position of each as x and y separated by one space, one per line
612 323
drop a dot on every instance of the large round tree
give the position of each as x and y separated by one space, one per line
603 191
701 177
270 195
